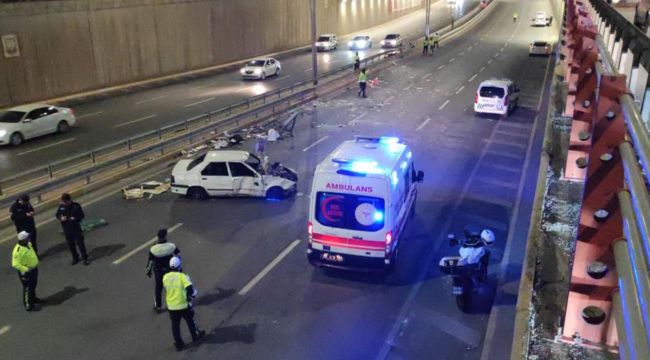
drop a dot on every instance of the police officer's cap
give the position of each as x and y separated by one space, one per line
175 262
23 235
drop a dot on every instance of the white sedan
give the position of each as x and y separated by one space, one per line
360 42
29 121
261 68
542 48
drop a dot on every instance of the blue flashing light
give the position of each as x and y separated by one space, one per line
394 179
403 165
409 155
389 140
378 216
367 167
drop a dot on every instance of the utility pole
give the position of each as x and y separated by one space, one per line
427 27
314 58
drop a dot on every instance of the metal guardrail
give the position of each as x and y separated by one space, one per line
632 252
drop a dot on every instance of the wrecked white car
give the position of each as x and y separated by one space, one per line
232 173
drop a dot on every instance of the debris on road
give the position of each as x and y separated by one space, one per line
92 224
140 190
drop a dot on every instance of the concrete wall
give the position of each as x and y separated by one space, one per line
73 46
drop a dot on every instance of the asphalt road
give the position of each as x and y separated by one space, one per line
476 173
107 121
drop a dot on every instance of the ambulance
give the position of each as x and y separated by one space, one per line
361 197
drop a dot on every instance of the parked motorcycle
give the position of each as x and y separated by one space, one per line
469 269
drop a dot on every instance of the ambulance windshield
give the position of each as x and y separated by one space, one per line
348 211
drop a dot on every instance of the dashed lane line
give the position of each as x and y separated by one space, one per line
440 67
460 89
424 123
135 121
82 116
351 122
315 143
452 60
510 143
490 61
268 268
498 183
4 329
387 100
151 99
146 244
198 102
505 154
443 104
408 87
45 147
426 76
482 69
472 78
461 53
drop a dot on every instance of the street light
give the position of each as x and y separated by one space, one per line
427 28
314 59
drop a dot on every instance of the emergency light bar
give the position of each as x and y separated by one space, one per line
375 139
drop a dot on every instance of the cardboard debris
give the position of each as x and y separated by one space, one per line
140 190
91 224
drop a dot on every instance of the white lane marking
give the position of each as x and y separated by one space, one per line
461 53
135 121
541 92
268 268
387 100
351 122
148 243
89 115
199 102
490 61
4 329
472 78
196 87
284 77
426 76
308 69
45 147
452 60
151 99
440 67
500 50
481 70
408 87
50 219
242 89
460 89
315 143
424 123
443 104
510 143
469 47
504 154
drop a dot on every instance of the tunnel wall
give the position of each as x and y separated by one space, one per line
67 47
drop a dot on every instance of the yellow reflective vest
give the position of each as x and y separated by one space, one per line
176 284
363 77
24 258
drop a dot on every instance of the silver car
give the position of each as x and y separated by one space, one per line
29 121
541 48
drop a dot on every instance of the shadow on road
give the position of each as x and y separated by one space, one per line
104 251
236 333
216 295
64 295
53 250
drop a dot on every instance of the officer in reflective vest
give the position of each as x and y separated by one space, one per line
363 79
158 264
25 261
425 46
436 39
179 293
357 61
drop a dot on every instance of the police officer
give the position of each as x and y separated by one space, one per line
179 293
25 261
436 39
22 214
158 263
357 61
363 79
70 215
425 46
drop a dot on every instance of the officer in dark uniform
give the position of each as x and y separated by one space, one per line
158 263
70 215
22 214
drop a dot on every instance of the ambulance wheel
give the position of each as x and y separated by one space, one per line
197 193
275 193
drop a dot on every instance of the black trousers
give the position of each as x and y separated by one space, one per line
357 64
29 281
362 89
158 279
425 49
188 315
435 44
76 239
32 232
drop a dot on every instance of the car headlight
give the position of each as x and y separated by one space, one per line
361 43
383 42
393 42
257 71
243 71
350 43
3 132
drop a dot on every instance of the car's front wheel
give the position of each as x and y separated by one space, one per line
197 193
275 193
62 127
16 139
277 71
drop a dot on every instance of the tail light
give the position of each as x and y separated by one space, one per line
310 228
475 98
389 240
72 112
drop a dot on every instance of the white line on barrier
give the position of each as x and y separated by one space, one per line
45 146
460 89
151 99
315 143
89 115
4 329
198 102
135 121
268 268
472 78
424 123
148 243
443 104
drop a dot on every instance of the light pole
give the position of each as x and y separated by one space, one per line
427 27
314 58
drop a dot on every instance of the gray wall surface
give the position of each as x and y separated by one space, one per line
73 46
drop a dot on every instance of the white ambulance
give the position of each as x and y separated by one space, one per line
361 197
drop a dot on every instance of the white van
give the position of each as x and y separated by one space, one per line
232 173
540 19
496 97
361 196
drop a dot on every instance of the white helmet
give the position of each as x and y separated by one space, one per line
488 236
23 235
175 262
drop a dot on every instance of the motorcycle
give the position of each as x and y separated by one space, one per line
466 276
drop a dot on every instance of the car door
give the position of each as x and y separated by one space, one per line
50 120
245 181
31 125
216 180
